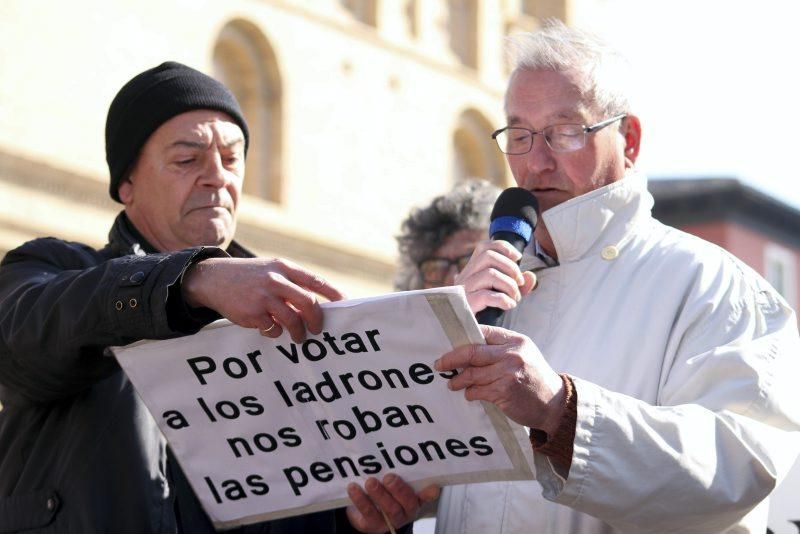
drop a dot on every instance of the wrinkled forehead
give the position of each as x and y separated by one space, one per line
547 95
459 243
200 127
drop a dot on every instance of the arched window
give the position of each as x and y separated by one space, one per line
463 28
246 63
475 154
365 11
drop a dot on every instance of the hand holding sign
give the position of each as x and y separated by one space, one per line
510 372
259 293
393 501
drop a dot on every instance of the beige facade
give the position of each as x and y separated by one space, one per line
359 110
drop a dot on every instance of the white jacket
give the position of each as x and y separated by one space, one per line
685 363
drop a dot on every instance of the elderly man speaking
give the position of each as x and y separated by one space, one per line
78 450
657 374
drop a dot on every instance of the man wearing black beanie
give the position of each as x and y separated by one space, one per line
78 450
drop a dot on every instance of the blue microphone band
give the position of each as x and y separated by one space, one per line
515 225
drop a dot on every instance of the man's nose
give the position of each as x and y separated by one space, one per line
540 157
214 173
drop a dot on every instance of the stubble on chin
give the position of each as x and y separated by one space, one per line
213 232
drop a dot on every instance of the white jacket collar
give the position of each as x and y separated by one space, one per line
601 219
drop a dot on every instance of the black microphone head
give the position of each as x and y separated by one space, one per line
515 211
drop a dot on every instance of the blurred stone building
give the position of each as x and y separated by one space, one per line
759 229
359 109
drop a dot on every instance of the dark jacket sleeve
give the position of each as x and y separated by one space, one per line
62 303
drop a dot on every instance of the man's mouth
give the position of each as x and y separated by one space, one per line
212 207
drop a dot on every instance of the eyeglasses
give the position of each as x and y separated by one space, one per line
559 137
434 270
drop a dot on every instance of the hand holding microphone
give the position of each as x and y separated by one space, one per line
492 279
508 370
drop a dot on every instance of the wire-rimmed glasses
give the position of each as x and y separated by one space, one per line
514 140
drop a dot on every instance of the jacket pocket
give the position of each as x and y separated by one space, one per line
28 510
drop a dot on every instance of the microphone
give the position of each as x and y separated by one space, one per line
513 220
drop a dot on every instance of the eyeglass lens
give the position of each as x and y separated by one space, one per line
559 137
436 269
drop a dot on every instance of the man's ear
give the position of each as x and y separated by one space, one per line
632 132
125 189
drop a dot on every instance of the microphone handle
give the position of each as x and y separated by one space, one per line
489 316
492 316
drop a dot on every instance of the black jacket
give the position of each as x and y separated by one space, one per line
79 452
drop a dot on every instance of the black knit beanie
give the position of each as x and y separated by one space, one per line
152 98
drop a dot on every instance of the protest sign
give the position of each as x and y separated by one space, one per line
267 428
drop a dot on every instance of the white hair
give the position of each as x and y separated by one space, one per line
604 76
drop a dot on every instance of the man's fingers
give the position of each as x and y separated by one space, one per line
495 280
271 328
530 283
369 507
288 317
465 356
496 335
487 298
475 273
501 247
304 303
476 355
430 493
481 392
392 499
496 366
476 376
403 494
493 259
384 501
363 511
308 280
252 292
298 288
492 278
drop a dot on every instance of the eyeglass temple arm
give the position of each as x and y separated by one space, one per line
590 129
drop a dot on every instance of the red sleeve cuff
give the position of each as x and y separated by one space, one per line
558 447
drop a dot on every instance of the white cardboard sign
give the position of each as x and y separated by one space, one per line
269 428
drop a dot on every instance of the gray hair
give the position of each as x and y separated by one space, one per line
466 207
604 76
